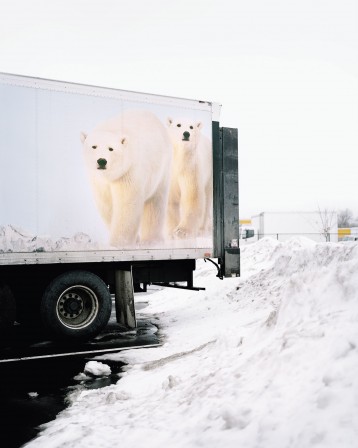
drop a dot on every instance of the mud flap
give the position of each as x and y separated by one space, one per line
124 299
232 261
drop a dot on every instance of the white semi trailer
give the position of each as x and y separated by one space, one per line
102 190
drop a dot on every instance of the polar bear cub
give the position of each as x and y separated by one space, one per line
129 161
191 189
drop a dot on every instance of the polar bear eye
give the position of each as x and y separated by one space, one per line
110 149
179 125
94 147
191 127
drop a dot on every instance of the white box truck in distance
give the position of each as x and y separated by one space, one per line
320 226
103 189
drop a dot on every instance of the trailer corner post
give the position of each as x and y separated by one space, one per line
231 202
124 298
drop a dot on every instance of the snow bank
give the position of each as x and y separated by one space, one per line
267 360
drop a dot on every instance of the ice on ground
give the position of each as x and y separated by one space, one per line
33 394
268 360
96 368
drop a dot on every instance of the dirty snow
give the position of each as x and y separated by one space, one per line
266 360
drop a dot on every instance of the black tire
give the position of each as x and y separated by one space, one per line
76 305
7 312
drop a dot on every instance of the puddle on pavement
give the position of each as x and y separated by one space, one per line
34 392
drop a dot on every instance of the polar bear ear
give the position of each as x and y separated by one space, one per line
169 121
83 137
199 124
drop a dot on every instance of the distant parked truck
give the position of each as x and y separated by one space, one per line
318 226
348 233
104 189
350 238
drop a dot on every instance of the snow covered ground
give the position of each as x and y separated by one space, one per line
266 360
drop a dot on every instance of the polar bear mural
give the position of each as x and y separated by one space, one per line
129 162
191 190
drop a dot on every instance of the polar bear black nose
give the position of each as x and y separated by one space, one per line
102 164
186 135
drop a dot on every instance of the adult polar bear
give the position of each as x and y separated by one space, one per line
191 190
129 162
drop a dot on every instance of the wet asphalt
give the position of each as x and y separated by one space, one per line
34 383
35 392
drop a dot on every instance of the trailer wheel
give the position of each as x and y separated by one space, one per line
77 305
7 311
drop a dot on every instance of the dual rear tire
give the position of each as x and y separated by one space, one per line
76 305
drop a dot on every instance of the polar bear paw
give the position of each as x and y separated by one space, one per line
181 232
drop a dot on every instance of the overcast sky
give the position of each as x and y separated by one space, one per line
285 72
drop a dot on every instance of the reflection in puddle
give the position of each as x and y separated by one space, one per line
34 392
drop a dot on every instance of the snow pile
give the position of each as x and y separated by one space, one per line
268 360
